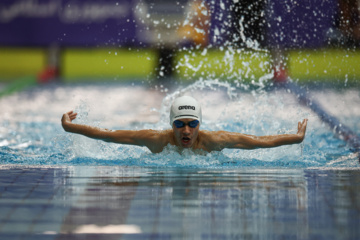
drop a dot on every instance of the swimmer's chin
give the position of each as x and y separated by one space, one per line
186 146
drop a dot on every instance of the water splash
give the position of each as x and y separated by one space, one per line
37 139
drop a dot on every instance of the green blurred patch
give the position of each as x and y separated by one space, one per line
97 64
243 65
325 65
100 63
332 65
19 62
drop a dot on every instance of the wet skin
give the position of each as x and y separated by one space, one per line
186 136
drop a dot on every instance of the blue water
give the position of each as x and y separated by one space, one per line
117 202
31 134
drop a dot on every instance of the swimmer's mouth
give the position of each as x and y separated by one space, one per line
185 139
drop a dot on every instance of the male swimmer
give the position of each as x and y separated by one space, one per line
185 119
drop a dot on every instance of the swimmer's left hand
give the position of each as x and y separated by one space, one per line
302 128
67 118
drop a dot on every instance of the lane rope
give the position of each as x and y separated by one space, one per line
341 130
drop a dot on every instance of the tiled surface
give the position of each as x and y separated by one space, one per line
138 203
29 201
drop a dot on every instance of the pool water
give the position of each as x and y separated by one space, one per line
56 185
119 202
31 134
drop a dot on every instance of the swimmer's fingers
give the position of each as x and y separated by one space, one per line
72 115
68 117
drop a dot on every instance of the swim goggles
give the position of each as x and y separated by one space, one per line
181 124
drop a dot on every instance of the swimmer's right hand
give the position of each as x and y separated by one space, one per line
67 118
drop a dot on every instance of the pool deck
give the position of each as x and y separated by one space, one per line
81 202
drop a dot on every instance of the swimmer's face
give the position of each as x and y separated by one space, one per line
186 136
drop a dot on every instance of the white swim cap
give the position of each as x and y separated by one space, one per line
185 107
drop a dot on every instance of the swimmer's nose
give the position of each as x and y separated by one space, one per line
186 130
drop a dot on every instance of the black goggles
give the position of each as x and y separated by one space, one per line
181 124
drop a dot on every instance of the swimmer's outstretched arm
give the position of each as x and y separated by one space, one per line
133 137
243 141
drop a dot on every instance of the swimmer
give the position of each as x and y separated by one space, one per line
185 119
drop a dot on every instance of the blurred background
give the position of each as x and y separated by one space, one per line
160 41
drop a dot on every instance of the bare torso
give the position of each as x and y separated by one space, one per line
160 139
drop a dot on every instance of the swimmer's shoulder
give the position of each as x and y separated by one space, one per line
206 140
154 135
211 135
158 139
212 140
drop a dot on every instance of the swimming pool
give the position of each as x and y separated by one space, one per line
31 134
56 185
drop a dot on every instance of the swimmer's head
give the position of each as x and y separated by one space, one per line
185 107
